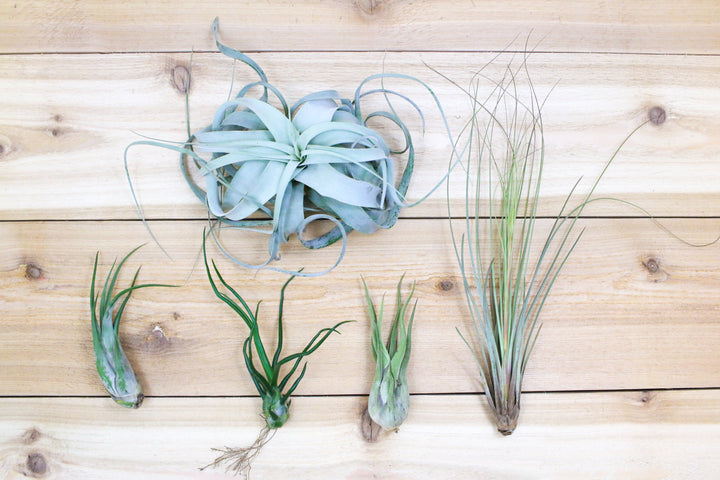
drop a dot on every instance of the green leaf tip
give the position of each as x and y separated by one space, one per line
106 310
389 400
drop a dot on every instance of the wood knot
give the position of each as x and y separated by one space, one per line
369 7
657 115
31 436
654 268
369 429
6 146
156 341
652 264
446 285
646 397
36 464
33 272
180 78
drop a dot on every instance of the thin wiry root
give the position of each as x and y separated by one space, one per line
239 460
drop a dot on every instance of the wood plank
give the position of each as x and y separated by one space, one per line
612 26
634 308
73 115
634 435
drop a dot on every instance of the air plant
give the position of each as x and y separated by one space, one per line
106 311
274 386
505 288
389 400
275 168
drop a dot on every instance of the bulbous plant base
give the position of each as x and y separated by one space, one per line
506 418
506 424
275 410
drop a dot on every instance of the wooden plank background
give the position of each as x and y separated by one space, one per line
625 377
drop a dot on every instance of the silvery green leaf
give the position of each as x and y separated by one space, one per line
329 182
313 112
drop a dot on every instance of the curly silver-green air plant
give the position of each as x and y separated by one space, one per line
314 160
389 399
112 364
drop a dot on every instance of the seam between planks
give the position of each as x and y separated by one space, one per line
418 394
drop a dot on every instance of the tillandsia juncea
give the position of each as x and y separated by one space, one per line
106 310
389 400
505 283
275 387
273 167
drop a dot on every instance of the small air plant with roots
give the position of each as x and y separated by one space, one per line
106 311
506 282
273 386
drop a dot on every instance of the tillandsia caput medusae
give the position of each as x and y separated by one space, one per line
106 311
389 400
275 387
506 283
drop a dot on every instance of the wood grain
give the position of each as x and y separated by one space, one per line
634 308
638 435
624 381
72 116
360 25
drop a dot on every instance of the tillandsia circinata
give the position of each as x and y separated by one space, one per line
506 284
106 311
273 386
276 167
389 400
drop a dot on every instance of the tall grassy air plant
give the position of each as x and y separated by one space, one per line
506 282
275 378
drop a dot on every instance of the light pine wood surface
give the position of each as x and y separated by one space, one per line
356 25
644 434
623 382
594 102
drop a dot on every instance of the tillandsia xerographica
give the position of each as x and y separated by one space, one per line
273 386
273 167
389 400
106 310
506 282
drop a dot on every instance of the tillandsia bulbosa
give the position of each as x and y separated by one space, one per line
273 386
106 311
506 284
389 400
